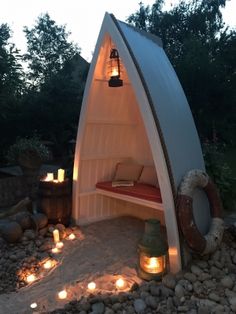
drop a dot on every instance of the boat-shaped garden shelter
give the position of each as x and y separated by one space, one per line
147 120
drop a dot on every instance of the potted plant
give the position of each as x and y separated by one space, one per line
28 153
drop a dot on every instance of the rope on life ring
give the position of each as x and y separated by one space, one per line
196 241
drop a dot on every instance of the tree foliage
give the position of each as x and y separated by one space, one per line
202 51
48 102
48 49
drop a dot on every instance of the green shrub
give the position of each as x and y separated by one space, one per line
24 145
220 172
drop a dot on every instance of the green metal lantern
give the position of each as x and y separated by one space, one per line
152 252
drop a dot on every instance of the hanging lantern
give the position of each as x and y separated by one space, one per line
114 69
152 252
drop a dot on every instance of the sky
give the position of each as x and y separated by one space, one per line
83 18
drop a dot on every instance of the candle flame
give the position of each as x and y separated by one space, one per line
120 283
49 177
62 294
71 236
92 286
33 305
55 250
30 278
59 245
48 264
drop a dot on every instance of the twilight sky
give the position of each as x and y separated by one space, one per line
82 18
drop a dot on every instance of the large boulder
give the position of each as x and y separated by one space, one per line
11 232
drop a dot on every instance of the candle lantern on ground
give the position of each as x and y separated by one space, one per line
55 199
152 252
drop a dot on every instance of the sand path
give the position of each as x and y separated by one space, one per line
109 249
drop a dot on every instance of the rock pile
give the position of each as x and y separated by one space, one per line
207 285
24 257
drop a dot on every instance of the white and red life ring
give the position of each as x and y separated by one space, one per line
196 241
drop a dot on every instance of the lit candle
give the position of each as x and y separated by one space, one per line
62 294
92 286
60 175
48 264
55 250
30 278
33 305
72 236
120 283
59 245
49 177
56 236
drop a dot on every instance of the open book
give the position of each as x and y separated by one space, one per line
122 183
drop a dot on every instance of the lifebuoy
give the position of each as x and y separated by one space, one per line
195 240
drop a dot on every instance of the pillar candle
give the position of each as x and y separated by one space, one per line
56 235
61 175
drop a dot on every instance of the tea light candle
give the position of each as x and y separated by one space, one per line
71 236
92 286
30 278
48 264
55 250
56 236
59 245
120 283
60 175
62 294
33 305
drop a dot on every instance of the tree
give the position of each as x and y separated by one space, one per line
48 49
11 86
202 52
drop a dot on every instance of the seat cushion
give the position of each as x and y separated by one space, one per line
139 190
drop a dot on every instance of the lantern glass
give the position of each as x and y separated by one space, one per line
152 264
114 69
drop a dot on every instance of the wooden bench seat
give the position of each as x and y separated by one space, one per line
141 194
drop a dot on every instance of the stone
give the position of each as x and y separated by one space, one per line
117 306
169 281
202 264
155 290
30 234
24 220
109 311
11 232
227 282
190 277
43 231
98 308
204 276
196 270
232 302
214 297
60 227
179 291
151 302
139 305
40 220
